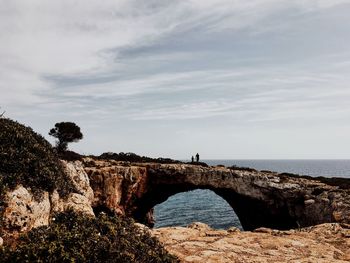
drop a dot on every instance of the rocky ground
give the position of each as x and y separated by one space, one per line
324 243
114 186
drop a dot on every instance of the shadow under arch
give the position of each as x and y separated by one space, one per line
200 205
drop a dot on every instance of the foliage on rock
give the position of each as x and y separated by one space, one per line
248 169
132 157
70 156
77 238
27 158
203 164
342 183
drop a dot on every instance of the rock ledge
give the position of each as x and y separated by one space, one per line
323 243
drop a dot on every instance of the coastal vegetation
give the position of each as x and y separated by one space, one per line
27 159
77 238
123 157
132 157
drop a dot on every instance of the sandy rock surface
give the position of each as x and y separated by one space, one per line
324 243
23 211
79 178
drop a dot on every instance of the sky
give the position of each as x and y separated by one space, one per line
229 79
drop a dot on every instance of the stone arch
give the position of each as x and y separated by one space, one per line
260 199
252 213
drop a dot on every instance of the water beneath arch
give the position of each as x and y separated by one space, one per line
196 206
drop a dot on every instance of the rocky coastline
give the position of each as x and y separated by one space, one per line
129 189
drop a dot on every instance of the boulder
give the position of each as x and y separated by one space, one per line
73 201
23 211
75 171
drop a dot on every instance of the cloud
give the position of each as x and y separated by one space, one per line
265 95
154 61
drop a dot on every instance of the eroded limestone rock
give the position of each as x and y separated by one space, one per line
23 211
73 201
75 171
260 199
116 185
198 243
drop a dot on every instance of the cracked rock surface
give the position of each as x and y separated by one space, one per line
323 243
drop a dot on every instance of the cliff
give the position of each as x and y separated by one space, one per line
260 199
23 210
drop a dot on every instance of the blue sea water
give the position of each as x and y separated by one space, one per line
207 207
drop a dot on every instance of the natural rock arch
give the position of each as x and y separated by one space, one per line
252 213
260 199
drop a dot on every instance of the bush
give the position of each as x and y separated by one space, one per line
132 157
234 167
27 158
77 238
199 164
70 156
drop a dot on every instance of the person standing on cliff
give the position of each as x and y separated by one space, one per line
197 157
192 159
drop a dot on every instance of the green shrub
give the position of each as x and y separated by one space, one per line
27 158
77 238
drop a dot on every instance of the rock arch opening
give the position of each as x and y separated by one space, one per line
199 205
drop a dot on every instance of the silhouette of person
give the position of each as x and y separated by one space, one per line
197 157
192 159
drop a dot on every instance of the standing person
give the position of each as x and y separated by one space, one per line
197 157
192 159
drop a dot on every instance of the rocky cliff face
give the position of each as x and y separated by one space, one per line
23 210
260 199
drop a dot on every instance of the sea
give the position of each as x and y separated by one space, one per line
205 206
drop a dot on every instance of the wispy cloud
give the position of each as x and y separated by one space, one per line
136 61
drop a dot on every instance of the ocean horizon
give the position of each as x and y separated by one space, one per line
311 167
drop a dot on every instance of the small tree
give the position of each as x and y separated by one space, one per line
65 132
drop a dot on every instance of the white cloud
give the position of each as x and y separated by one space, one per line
155 60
